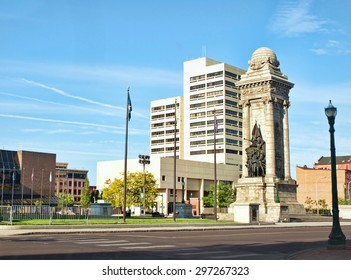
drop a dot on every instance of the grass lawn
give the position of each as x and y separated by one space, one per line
119 220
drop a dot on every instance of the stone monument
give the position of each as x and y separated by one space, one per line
266 192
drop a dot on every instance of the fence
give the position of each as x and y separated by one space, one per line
9 214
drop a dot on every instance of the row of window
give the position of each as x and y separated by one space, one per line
212 85
204 142
209 104
162 150
79 184
213 104
203 95
163 107
162 116
204 132
209 85
162 141
205 114
194 134
229 141
214 75
163 124
203 123
162 133
219 151
75 192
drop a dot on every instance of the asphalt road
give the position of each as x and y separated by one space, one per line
237 244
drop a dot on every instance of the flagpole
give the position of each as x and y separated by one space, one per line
215 126
175 164
128 114
13 186
2 185
31 193
50 180
22 185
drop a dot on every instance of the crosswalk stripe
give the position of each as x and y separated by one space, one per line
100 241
123 244
203 253
149 247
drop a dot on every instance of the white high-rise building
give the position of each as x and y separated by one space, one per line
210 103
166 115
210 96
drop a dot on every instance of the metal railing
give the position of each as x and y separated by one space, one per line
10 214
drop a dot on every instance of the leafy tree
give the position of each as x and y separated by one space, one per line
309 203
226 195
322 204
85 197
341 201
94 196
38 203
135 183
65 199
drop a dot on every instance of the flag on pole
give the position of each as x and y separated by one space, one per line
32 177
50 177
129 107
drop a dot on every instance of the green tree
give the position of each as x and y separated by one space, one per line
135 183
226 195
85 197
310 203
38 203
65 200
94 196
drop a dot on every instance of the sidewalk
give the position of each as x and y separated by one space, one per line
313 254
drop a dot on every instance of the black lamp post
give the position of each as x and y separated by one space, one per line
144 159
337 239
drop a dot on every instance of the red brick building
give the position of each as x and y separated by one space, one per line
316 183
69 181
25 177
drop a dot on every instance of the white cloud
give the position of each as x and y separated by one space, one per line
294 18
332 47
59 121
100 127
116 74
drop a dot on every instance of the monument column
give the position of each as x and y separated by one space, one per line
270 141
246 135
265 100
286 141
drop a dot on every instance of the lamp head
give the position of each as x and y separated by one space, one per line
330 111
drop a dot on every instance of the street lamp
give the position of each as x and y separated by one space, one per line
336 236
144 159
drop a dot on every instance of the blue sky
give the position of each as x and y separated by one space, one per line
65 67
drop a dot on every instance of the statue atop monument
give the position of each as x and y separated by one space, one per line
256 154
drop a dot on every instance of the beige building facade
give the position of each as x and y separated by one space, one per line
198 177
315 183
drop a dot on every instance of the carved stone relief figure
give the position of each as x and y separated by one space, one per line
256 154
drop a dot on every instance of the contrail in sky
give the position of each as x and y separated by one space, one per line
58 121
63 93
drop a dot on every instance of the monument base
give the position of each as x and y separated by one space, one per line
261 199
184 210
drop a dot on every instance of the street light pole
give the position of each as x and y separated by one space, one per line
144 159
336 236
